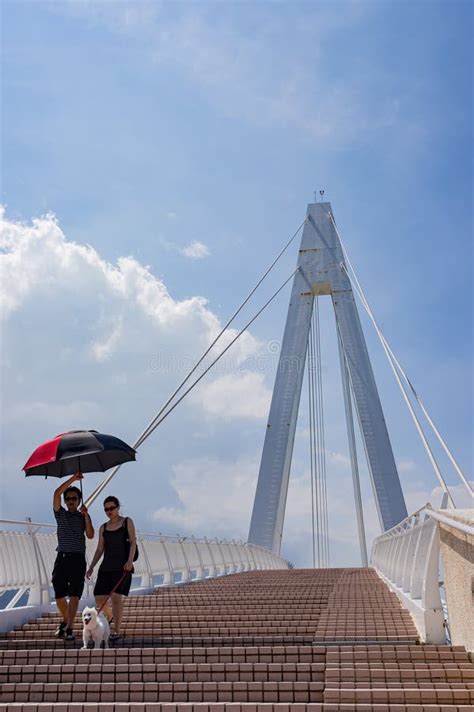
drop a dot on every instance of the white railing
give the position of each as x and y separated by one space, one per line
407 558
27 558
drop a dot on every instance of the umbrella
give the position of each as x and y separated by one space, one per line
78 451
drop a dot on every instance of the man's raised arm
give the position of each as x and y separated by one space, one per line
62 488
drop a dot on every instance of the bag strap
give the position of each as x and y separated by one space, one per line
125 528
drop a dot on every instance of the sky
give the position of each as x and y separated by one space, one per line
155 158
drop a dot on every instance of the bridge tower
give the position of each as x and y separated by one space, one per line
322 272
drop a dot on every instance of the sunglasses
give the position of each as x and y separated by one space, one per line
71 499
110 509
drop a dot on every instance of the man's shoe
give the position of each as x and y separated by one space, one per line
69 634
60 630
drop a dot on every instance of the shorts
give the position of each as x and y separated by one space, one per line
68 575
106 581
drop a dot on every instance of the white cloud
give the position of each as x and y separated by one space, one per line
86 343
406 465
459 493
246 76
338 459
235 396
195 250
215 495
104 348
208 490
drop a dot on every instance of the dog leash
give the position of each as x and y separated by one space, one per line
125 573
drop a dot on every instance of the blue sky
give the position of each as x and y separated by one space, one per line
148 127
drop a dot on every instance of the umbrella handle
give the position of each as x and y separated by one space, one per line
80 481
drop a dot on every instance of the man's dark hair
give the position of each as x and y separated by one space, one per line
75 490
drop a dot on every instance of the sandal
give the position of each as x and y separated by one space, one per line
115 636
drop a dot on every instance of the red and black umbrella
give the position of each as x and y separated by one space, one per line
78 451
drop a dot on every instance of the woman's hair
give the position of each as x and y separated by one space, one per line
112 499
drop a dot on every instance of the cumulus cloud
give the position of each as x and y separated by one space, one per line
462 498
208 488
87 343
231 396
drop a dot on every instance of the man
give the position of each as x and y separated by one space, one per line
70 565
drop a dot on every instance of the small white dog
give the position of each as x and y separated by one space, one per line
95 627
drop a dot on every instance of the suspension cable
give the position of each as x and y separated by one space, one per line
322 438
412 388
314 440
415 418
149 427
317 445
388 352
319 509
109 477
311 449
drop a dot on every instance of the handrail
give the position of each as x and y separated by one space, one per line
26 522
407 558
157 535
429 511
27 558
454 523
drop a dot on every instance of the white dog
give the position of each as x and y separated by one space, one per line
95 627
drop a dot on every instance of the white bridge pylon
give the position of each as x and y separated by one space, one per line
321 271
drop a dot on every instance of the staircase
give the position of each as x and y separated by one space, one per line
318 640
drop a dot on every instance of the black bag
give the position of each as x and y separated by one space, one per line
127 540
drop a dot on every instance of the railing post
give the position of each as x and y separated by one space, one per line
407 557
237 551
146 578
200 571
430 596
218 543
168 577
250 550
230 555
187 571
39 593
245 553
213 571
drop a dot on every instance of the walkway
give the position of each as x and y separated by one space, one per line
317 640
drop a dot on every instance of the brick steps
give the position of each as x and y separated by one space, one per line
131 656
347 657
288 692
274 692
200 617
184 630
162 672
292 641
230 707
165 641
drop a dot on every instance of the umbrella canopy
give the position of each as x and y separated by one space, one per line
78 451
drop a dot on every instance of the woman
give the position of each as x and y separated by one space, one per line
117 542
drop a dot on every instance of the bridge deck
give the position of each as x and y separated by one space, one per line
274 641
